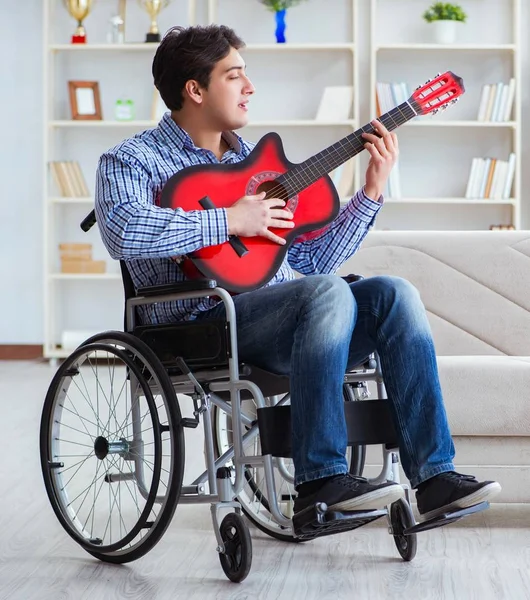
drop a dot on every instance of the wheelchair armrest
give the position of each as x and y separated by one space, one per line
194 285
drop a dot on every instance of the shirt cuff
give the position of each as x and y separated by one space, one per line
214 226
364 208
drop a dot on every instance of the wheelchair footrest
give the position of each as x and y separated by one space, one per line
316 521
446 518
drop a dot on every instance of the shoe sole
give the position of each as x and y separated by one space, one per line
485 493
372 500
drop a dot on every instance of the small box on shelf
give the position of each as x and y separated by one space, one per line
77 258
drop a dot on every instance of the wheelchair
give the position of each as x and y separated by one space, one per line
112 439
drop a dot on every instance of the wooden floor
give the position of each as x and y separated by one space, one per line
485 557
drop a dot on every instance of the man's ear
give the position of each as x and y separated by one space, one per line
194 92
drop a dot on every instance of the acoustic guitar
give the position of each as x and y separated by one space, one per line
243 264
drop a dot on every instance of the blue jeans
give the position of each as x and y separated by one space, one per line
315 328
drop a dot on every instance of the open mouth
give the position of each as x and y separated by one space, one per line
243 106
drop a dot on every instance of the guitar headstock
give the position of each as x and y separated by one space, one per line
437 94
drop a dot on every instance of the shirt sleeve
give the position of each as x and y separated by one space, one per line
133 227
325 251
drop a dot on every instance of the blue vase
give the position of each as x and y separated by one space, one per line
280 26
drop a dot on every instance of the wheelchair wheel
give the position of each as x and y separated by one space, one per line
253 497
401 518
112 447
237 557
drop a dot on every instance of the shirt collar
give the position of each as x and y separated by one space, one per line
178 138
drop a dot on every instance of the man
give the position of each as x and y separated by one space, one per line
313 328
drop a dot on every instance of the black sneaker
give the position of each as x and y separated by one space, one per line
451 491
347 492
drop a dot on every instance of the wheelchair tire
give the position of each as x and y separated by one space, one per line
401 518
88 446
237 557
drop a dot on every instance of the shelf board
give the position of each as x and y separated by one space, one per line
64 200
297 47
144 47
102 123
302 123
510 47
147 124
86 276
136 47
441 123
455 200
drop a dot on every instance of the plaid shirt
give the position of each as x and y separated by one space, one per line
134 228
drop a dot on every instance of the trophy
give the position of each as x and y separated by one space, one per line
153 8
78 9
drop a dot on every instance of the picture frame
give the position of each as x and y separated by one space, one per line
158 107
85 101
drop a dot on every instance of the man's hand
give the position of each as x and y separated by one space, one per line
252 215
383 149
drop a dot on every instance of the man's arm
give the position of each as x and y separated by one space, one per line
330 247
133 227
334 244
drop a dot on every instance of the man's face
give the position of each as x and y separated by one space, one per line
225 102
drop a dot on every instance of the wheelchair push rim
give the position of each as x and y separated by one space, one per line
110 448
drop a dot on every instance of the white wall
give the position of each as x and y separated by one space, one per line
21 319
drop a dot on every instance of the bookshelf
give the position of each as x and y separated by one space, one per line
328 56
433 189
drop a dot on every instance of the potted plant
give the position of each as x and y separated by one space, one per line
444 16
279 7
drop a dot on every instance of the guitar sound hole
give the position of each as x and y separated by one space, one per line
273 190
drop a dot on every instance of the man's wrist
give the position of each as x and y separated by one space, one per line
372 193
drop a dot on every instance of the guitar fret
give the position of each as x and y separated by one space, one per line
310 171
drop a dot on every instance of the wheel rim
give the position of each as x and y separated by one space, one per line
253 497
106 448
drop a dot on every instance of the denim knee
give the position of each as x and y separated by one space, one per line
330 299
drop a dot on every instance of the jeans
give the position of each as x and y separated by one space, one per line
315 328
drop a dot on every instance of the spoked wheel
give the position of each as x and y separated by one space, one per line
254 496
401 518
112 447
237 557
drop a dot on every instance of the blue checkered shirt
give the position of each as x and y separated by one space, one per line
134 228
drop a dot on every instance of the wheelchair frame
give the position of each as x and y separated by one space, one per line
204 386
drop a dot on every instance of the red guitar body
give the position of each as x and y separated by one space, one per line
313 208
308 190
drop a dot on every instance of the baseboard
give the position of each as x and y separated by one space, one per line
20 351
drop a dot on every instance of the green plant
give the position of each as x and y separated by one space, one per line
444 11
277 5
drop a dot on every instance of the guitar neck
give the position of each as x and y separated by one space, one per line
311 170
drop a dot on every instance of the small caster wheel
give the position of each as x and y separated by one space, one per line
401 518
237 557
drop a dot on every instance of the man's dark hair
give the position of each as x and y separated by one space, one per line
190 53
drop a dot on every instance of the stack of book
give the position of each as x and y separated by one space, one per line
69 179
77 258
491 178
496 102
390 95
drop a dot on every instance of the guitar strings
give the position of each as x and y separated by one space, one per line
298 176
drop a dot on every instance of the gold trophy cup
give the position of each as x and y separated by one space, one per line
153 8
79 10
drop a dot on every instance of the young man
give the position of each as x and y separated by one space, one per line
313 328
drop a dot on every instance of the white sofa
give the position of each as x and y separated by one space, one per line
476 289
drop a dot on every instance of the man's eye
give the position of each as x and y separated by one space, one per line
234 77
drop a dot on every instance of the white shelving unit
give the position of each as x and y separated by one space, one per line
93 302
398 54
